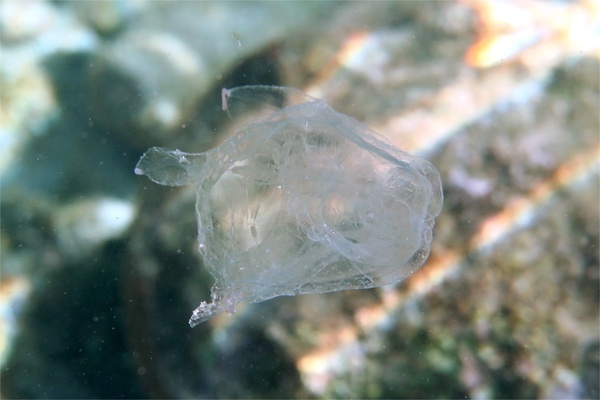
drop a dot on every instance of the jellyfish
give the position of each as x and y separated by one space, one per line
303 199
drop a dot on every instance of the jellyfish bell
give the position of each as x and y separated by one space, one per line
303 199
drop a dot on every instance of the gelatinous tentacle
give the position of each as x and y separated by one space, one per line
170 167
221 301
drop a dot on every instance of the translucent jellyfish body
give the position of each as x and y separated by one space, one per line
302 200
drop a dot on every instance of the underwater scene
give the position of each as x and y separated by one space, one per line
305 199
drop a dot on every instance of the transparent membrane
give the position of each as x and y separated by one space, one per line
301 200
